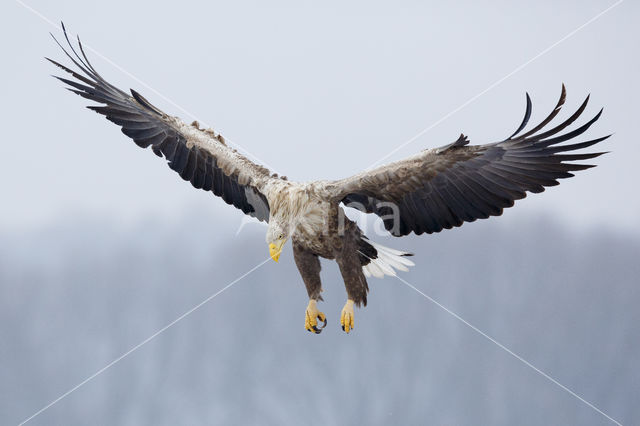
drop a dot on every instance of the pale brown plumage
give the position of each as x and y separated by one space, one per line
444 187
430 191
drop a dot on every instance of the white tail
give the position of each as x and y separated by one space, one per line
387 260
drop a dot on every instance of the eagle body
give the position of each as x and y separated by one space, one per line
435 189
308 212
319 227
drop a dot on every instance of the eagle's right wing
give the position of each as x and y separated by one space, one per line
198 156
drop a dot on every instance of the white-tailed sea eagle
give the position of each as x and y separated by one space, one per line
433 190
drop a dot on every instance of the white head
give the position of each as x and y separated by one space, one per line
277 234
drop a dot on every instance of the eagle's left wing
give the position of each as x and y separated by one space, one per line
445 187
198 156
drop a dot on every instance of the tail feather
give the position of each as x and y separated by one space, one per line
386 261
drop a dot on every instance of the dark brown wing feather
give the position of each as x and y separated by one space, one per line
213 166
445 187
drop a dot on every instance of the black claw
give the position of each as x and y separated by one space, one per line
325 322
343 328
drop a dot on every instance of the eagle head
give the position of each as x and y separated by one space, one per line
277 235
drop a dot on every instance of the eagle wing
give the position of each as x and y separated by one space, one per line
447 186
198 156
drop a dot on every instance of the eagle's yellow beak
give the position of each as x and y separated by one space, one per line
276 249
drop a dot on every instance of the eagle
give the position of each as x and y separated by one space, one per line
435 189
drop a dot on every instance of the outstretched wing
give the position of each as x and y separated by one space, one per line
457 183
198 156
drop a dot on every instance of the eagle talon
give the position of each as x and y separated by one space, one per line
312 315
323 319
347 317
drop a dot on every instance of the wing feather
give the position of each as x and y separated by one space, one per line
444 187
198 156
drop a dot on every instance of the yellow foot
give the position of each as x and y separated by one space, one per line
346 319
311 317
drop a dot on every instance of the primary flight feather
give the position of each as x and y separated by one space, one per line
433 190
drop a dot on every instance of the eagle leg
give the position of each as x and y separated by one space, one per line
347 317
309 266
355 282
311 317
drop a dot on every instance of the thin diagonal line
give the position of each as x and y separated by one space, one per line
509 351
128 74
139 345
496 83
383 158
500 345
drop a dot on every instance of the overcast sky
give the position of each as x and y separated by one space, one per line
313 90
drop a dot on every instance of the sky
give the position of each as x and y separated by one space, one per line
313 92
102 245
80 296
